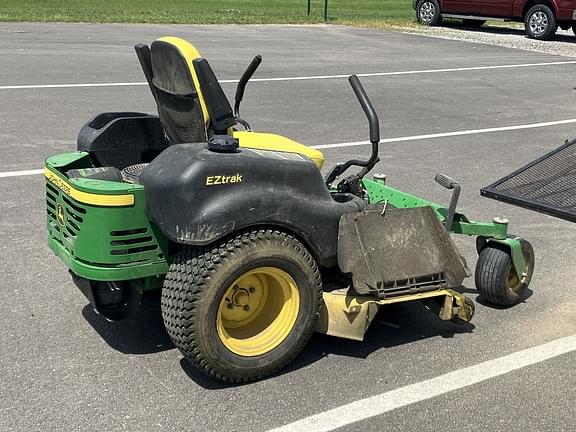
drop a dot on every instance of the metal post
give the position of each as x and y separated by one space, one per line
308 7
325 10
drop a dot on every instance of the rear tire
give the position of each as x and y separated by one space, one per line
473 23
540 23
495 277
574 28
244 308
428 12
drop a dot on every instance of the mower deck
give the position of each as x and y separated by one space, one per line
348 315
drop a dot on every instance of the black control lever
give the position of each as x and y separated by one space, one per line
243 81
448 183
369 110
374 125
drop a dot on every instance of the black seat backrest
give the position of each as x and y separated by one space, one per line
191 103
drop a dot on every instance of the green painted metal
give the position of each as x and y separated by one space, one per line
63 162
486 229
102 243
379 192
146 270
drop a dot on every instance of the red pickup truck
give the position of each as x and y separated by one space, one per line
541 17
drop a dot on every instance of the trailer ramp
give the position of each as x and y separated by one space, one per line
546 185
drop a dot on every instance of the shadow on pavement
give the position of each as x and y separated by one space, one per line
395 325
398 324
142 333
205 381
527 294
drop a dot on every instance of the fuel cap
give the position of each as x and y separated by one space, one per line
223 144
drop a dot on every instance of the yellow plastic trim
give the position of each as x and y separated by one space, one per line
273 142
258 311
86 197
189 53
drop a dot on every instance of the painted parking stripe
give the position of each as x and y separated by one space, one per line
21 173
450 134
383 141
301 78
411 394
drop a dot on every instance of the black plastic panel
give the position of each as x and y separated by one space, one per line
546 185
196 196
121 139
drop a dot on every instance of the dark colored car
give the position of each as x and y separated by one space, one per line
541 17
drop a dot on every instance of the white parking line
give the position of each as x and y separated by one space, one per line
21 173
449 134
302 78
383 141
401 397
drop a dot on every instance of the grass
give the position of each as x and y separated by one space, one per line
372 13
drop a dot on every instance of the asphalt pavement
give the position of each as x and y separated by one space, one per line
62 367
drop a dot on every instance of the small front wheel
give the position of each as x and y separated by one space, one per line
496 279
540 22
428 12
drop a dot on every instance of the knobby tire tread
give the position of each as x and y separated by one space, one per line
187 278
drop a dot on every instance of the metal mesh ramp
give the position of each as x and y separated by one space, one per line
546 185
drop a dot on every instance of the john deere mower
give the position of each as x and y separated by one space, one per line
252 247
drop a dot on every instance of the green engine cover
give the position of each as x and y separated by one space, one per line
99 228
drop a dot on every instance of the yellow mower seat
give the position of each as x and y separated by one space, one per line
184 109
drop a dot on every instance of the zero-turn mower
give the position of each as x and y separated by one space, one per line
252 247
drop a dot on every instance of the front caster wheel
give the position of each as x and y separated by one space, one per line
244 308
496 279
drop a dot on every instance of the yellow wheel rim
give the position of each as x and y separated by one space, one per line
258 311
513 282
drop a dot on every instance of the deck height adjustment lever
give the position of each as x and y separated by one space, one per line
448 183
